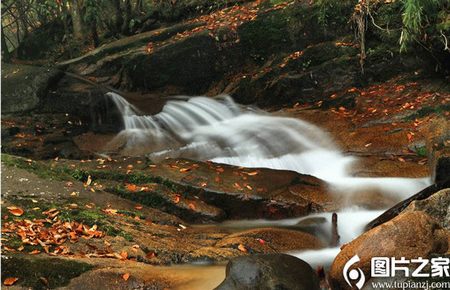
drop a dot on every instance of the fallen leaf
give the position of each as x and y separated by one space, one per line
16 211
44 280
242 248
138 207
126 276
88 181
131 187
10 281
124 255
150 255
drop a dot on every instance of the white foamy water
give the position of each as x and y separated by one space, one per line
203 128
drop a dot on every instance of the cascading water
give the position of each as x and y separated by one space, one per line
202 128
218 129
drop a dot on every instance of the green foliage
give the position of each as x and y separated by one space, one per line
333 12
421 151
421 17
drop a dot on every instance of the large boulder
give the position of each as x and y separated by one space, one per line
410 235
23 86
269 272
399 207
436 206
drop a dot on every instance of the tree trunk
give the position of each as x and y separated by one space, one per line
6 56
77 20
94 33
118 15
126 23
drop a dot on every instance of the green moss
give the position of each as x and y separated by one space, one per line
130 213
29 270
38 168
151 199
425 111
115 232
267 34
89 217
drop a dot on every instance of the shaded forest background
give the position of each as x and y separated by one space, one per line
56 30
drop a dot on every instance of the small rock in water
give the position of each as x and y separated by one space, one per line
269 272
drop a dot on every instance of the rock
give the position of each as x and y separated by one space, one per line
438 145
56 271
270 240
436 206
409 235
269 272
23 86
399 207
248 192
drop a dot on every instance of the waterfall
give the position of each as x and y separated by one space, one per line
220 130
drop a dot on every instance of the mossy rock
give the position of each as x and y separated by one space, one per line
35 272
23 86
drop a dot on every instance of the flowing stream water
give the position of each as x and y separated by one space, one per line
222 131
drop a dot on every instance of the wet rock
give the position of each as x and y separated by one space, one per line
436 206
269 272
271 240
410 235
248 192
438 145
23 86
399 207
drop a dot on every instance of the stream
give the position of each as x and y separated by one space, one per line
218 129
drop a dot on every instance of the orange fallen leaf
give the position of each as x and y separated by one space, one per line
110 211
191 206
17 211
126 276
242 248
10 281
35 252
176 199
252 173
131 187
150 255
124 255
138 207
